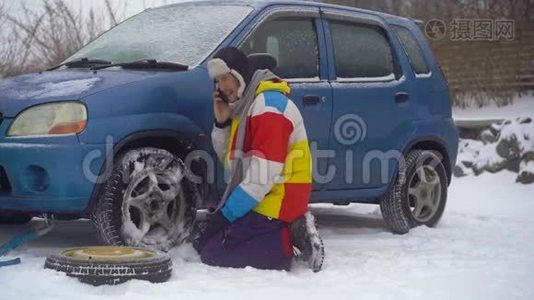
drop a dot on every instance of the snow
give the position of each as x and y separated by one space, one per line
389 77
508 144
58 89
521 107
481 249
49 76
25 145
526 166
297 80
522 133
133 233
356 83
487 155
54 89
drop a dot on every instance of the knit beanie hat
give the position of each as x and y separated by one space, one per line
231 60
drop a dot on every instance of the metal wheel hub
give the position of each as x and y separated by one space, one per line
153 200
424 193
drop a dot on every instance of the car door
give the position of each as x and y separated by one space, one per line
372 115
294 36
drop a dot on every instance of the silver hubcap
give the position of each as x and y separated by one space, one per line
153 200
424 193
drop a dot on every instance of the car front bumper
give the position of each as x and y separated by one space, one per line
53 175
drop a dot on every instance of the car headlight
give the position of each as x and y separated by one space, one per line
50 119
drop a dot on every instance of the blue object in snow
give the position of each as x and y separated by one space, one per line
21 239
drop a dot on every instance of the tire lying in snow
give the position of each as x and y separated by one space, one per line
148 201
418 195
111 265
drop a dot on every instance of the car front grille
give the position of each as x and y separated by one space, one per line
5 186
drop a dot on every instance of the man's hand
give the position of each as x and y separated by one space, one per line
221 109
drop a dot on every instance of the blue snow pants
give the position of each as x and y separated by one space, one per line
253 240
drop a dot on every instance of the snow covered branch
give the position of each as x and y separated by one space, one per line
37 39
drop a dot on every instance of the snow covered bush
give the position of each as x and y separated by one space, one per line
505 145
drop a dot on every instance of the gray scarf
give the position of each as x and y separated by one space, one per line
241 110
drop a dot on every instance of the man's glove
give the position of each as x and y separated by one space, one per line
216 222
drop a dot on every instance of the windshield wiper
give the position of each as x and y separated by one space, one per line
81 63
146 64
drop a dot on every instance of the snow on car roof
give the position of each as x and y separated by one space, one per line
259 4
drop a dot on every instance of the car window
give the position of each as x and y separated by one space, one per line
361 51
413 50
184 34
292 41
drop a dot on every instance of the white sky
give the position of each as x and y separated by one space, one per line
124 8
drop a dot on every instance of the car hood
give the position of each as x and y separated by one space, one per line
20 92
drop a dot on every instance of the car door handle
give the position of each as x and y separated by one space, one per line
401 97
311 99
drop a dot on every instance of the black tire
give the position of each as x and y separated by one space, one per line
13 218
399 209
113 216
111 265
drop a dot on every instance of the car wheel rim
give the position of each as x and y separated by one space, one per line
153 201
106 253
424 193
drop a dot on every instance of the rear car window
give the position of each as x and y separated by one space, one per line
413 50
361 51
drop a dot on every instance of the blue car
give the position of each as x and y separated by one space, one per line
119 132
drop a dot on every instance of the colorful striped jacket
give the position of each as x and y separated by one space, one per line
278 165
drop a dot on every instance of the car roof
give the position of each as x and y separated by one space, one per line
258 5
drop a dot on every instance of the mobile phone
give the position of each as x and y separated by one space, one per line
222 96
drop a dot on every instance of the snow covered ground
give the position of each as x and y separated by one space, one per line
521 107
482 249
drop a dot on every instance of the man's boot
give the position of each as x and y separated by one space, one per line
307 241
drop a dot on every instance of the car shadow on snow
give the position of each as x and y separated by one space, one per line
331 220
65 234
348 220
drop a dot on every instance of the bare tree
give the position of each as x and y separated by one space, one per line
2 19
37 39
111 13
479 72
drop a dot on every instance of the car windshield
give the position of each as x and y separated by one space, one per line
184 34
